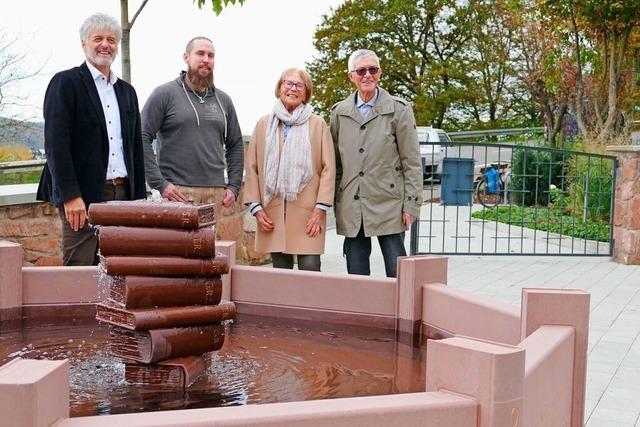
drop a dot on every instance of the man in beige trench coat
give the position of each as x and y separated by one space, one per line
378 168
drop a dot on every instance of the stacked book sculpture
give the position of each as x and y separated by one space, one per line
164 306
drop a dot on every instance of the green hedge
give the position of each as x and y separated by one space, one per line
596 176
532 172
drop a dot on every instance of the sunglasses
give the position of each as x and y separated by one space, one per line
363 71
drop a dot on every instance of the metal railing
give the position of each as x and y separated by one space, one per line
22 166
545 202
476 135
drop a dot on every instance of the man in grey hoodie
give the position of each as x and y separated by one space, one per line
197 129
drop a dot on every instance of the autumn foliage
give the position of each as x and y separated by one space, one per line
14 153
568 65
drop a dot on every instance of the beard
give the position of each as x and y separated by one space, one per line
197 79
101 60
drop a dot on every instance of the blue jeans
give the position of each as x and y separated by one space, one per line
357 250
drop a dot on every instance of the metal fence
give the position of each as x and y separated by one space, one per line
517 200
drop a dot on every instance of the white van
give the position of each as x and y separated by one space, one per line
431 151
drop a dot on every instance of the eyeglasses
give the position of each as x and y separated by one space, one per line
289 84
363 71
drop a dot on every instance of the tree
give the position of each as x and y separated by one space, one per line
495 95
452 59
547 69
419 63
605 77
216 5
12 72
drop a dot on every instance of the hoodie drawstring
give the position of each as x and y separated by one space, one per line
224 113
192 106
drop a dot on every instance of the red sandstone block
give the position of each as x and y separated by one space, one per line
249 223
240 201
21 211
491 373
24 227
10 275
627 247
254 257
633 213
30 257
46 245
49 261
34 392
49 210
628 190
229 228
630 168
56 229
618 216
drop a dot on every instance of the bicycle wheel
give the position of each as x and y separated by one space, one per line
488 199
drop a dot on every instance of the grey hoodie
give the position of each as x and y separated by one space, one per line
194 138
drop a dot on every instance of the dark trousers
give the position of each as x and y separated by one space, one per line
357 250
81 247
305 262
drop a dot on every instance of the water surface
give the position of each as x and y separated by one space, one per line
263 360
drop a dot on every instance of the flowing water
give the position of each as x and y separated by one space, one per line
263 360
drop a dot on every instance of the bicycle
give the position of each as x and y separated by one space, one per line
491 189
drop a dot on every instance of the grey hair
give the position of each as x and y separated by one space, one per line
100 21
189 47
361 53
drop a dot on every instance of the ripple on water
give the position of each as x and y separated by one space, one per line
262 361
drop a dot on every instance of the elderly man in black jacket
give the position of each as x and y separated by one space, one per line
92 139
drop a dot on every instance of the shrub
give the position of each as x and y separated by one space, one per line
14 153
533 172
591 186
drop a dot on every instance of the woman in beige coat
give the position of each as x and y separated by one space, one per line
290 176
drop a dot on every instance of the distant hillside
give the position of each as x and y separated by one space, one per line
28 134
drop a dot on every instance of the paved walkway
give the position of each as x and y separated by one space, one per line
613 377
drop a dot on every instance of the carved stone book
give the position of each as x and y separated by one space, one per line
147 213
146 291
162 344
165 266
165 317
157 241
172 373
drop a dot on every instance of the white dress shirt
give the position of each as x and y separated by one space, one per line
116 167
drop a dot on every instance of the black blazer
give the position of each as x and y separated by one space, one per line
75 139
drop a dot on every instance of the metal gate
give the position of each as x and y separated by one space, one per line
517 200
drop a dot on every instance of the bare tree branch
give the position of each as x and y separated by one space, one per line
135 16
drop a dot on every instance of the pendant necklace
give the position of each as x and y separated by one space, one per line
200 98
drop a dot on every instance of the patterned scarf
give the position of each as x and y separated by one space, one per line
287 172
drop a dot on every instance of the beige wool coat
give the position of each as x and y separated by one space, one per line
290 217
378 166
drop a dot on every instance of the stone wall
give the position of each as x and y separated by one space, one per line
239 225
37 227
626 222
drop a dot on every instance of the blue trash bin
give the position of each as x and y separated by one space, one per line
457 181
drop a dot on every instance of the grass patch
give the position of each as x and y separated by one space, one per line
545 219
26 177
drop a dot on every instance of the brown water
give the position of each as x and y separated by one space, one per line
263 360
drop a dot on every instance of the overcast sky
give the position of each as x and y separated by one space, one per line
254 43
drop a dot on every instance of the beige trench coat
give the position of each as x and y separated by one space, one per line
378 166
290 217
